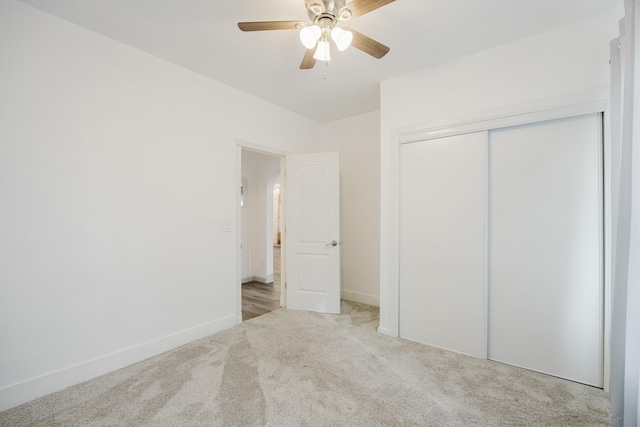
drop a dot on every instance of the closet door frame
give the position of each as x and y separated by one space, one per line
389 292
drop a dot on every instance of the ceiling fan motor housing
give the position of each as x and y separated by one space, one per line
326 8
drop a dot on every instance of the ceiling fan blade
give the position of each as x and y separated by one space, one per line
270 25
368 45
360 7
308 61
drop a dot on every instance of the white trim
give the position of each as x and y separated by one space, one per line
393 325
367 299
261 148
497 122
607 245
487 239
283 233
603 249
531 113
265 280
19 393
239 281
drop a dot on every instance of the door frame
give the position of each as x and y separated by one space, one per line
244 145
390 253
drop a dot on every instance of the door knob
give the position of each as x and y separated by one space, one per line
333 243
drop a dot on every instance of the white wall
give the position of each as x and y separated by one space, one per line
260 171
116 171
357 140
567 65
246 231
277 203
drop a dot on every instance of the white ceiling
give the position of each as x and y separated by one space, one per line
202 35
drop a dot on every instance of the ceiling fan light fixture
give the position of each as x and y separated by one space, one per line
316 8
315 34
309 36
345 15
342 38
323 51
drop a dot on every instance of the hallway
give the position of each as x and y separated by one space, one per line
260 298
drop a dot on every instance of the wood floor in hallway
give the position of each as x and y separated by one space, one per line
260 298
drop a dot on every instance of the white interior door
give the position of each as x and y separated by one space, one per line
312 232
546 290
443 242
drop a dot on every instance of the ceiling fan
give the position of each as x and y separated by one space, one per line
325 15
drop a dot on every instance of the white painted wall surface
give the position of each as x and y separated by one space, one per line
246 228
116 172
357 140
261 170
277 215
571 63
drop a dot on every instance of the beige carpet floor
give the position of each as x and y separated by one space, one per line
290 368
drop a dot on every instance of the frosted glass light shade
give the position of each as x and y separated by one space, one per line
342 38
323 51
309 36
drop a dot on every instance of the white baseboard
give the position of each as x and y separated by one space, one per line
259 279
373 300
384 331
19 393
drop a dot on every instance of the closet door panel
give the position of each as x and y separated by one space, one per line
443 242
545 292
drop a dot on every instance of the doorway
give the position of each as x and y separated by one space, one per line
260 231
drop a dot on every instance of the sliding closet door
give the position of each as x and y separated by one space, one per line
443 242
545 292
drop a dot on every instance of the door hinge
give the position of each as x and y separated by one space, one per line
285 285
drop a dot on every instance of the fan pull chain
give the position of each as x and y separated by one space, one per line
326 70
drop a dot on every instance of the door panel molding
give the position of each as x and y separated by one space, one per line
312 212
